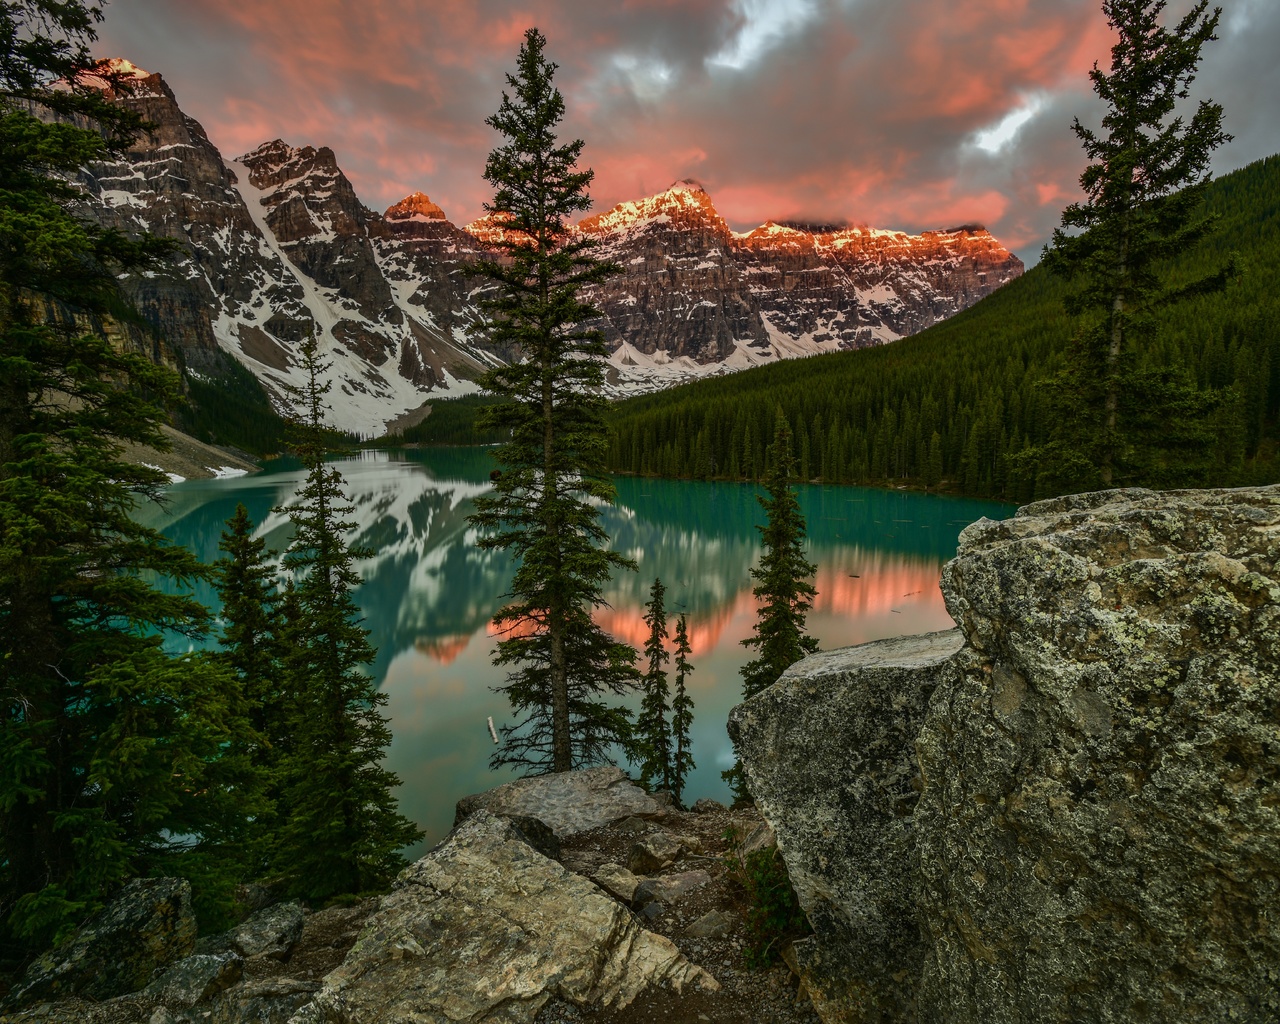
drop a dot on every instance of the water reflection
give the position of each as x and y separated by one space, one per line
429 592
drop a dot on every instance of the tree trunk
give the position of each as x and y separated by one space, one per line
561 742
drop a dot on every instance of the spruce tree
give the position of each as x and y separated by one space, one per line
653 738
251 646
782 591
545 505
1122 418
251 619
682 762
340 830
115 758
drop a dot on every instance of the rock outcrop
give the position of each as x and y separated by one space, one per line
567 803
1070 808
478 930
148 926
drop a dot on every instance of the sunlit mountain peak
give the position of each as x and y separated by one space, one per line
415 207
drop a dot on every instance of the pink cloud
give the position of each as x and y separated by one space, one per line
866 113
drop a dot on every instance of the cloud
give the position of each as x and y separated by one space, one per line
908 114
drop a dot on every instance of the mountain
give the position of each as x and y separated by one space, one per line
276 244
955 402
695 297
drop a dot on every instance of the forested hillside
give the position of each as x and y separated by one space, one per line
951 405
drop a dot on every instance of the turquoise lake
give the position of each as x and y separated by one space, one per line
429 592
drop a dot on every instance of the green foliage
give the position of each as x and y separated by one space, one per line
782 591
682 762
652 736
115 759
1117 422
230 407
452 421
544 507
252 625
772 912
870 416
340 831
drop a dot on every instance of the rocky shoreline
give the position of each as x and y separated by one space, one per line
633 918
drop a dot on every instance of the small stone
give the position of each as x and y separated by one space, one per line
616 880
271 932
653 853
195 979
669 889
705 805
715 924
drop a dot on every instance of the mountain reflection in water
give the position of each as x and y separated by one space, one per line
429 591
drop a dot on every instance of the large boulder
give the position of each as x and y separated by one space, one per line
148 926
830 754
485 928
568 802
1097 830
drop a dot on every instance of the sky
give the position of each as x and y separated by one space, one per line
903 114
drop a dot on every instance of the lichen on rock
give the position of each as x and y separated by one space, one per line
1097 830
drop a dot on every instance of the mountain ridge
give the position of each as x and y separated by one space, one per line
276 244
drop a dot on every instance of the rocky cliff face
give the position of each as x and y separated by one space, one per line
1068 809
696 297
276 245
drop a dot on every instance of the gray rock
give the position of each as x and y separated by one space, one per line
484 928
271 932
616 881
1098 832
1074 796
195 979
669 889
148 926
705 805
634 826
124 1010
568 803
266 1001
714 924
537 833
653 852
829 751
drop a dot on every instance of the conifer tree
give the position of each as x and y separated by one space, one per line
341 831
251 646
544 507
113 755
682 762
1120 421
653 737
251 620
782 589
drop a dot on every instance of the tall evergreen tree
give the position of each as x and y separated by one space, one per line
544 508
1121 422
251 646
653 737
782 589
341 831
251 621
682 762
113 755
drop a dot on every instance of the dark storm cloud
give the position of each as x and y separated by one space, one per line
836 110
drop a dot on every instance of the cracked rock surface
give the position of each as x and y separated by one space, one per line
485 928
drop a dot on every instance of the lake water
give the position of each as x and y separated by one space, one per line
429 592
